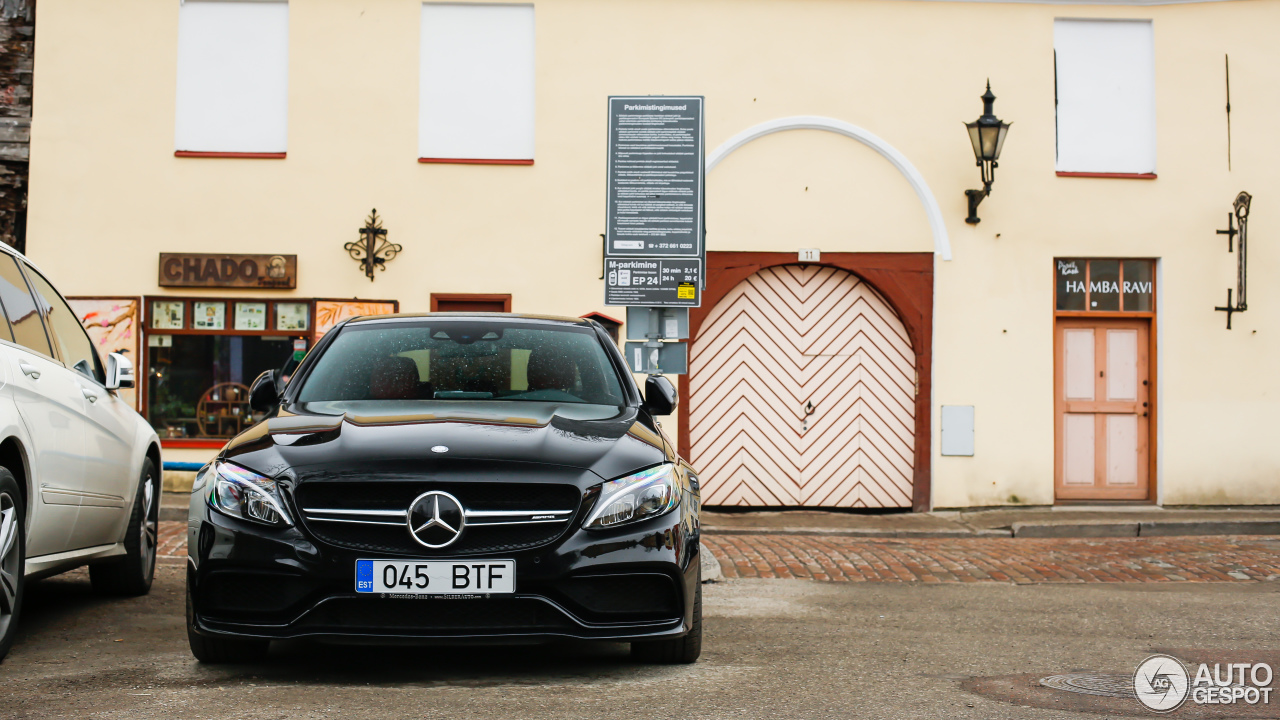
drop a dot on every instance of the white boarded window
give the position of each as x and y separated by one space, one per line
1106 93
476 83
233 76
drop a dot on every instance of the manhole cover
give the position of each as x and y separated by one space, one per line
1092 684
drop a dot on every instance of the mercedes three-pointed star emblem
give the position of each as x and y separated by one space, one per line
436 519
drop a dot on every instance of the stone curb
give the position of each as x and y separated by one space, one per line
1075 530
710 566
1156 528
1159 528
1150 528
857 532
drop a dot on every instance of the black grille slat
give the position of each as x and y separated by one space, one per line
476 539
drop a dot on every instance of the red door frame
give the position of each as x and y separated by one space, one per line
906 282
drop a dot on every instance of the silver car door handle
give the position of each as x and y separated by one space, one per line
89 395
29 370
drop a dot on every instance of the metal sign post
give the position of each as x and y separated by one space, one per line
653 326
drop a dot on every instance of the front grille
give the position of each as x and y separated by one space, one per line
436 616
384 532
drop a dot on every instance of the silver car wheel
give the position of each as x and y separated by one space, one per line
150 525
10 562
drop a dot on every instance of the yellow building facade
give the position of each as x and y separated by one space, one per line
833 125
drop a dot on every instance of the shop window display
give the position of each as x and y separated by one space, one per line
198 385
202 354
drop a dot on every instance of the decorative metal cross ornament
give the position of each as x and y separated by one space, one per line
372 250
1239 216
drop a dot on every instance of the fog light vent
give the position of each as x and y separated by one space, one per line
647 594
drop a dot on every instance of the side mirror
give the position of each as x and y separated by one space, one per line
119 372
264 393
660 396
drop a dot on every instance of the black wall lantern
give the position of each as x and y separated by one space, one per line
987 135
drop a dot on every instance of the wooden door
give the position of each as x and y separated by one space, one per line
1101 409
802 392
470 302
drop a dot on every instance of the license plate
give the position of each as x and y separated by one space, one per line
436 577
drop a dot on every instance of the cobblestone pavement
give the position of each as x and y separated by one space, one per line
172 542
1019 560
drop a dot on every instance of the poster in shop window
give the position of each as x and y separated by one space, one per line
166 314
332 312
292 316
251 316
112 325
209 315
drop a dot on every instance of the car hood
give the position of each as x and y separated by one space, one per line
606 440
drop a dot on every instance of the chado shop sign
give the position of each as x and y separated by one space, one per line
235 271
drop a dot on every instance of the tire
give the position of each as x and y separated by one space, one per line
214 651
13 557
132 574
682 650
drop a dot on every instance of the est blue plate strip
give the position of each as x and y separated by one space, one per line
364 576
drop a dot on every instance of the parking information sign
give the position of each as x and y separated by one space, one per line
655 177
654 234
654 282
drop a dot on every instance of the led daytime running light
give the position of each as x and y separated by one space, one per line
646 494
246 495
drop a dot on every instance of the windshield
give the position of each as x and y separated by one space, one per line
464 360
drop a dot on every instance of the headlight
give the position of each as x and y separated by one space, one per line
639 496
244 494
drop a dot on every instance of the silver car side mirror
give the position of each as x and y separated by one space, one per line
119 372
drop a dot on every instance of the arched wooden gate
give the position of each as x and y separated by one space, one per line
807 385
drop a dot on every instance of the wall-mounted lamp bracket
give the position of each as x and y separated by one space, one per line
977 196
1239 216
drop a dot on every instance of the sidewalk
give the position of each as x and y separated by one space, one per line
1029 522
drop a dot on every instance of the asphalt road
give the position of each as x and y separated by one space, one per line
774 649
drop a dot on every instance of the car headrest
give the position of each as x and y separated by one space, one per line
551 371
394 378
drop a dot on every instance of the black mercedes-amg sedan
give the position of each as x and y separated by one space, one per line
449 478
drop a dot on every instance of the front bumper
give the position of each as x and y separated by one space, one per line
634 583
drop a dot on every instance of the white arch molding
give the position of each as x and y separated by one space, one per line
941 243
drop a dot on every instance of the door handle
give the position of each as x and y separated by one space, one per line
29 370
808 408
89 395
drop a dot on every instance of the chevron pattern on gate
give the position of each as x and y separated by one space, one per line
783 338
